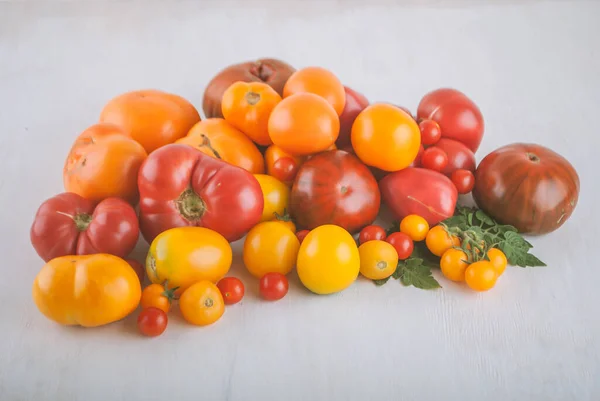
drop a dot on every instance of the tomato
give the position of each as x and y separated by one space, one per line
247 106
378 259
334 187
355 103
328 260
152 321
459 156
282 165
273 286
481 276
103 163
498 260
371 233
86 290
303 124
434 158
286 220
202 303
430 132
219 139
157 296
276 196
68 224
385 137
319 81
527 186
301 235
180 186
415 226
138 267
232 290
270 247
417 161
402 243
454 263
185 255
273 72
464 180
438 241
153 118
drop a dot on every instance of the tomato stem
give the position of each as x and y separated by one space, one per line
82 220
190 205
252 98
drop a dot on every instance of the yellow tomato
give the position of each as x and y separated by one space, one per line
378 259
498 260
270 247
88 290
454 263
328 260
185 255
202 303
438 241
415 226
481 276
276 195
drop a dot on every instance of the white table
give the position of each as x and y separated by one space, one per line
532 67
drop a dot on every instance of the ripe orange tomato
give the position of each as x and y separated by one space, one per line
481 276
102 163
270 247
454 264
438 241
498 260
303 124
378 259
319 81
202 303
219 139
282 165
247 106
415 226
157 296
385 137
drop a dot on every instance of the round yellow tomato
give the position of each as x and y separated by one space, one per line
498 260
270 247
454 264
415 226
87 290
185 255
328 260
481 276
378 259
202 303
276 196
438 241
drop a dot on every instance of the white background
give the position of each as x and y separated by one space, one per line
532 67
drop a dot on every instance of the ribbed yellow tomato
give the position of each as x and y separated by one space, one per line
276 196
270 247
87 290
328 260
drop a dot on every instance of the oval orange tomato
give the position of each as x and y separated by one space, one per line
319 81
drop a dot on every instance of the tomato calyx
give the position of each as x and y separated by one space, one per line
262 71
533 157
206 143
81 220
252 98
283 217
208 302
381 265
169 293
190 205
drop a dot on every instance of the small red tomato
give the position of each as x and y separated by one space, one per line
430 132
273 286
434 158
285 169
152 322
464 180
302 234
232 290
371 233
403 244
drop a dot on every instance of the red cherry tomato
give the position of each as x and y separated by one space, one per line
371 233
232 290
285 169
464 180
430 132
302 234
434 159
273 286
152 322
403 244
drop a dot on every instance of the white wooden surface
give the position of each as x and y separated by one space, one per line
533 67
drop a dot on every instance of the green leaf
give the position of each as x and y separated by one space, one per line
533 261
501 229
484 218
470 219
455 221
394 227
419 276
516 241
381 282
396 275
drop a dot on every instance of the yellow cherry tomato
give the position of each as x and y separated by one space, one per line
481 276
276 196
454 264
157 296
202 303
438 241
415 226
270 247
498 260
378 259
88 290
185 255
328 260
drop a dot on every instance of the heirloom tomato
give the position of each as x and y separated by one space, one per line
270 247
378 259
282 165
202 303
276 196
319 81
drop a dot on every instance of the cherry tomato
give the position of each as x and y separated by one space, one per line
453 264
273 286
152 322
284 169
157 296
498 260
202 303
415 226
438 241
232 290
463 180
434 158
378 259
430 132
481 276
270 247
371 233
402 243
302 234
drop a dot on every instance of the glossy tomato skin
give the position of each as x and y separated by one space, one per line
273 286
527 186
334 187
464 180
282 165
181 186
434 158
402 243
355 103
232 289
152 321
68 224
459 156
371 233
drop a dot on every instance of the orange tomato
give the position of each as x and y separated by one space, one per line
438 241
303 124
481 276
415 226
102 163
202 303
282 165
153 118
498 260
319 81
247 106
219 139
454 263
385 137
157 296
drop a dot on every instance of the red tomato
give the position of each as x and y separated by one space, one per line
301 235
232 290
285 169
355 103
430 132
273 286
403 244
152 322
434 158
464 180
371 233
68 224
181 186
418 159
459 156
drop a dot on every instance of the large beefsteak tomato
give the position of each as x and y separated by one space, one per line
181 186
